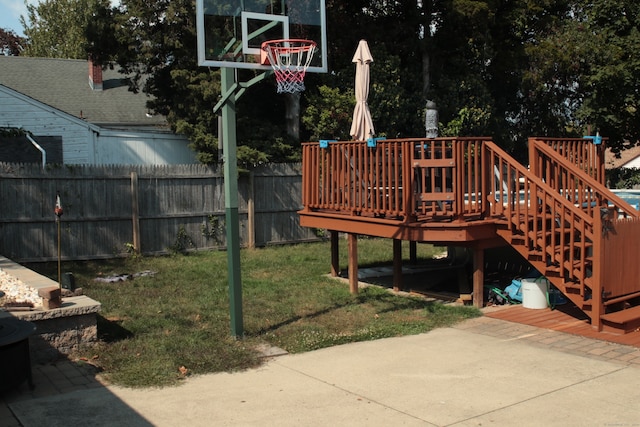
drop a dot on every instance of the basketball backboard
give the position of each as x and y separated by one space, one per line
231 32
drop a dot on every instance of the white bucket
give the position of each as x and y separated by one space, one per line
534 293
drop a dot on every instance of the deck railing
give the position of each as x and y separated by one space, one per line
402 179
449 178
580 152
354 179
574 183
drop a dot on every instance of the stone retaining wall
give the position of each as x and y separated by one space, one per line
59 331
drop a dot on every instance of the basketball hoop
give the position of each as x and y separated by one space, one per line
290 59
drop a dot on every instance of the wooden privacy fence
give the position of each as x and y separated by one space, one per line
111 210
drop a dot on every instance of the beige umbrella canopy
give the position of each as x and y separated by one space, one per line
362 125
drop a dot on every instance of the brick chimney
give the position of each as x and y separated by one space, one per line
95 76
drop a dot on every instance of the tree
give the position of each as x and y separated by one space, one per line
440 52
509 69
155 44
610 41
156 47
584 71
11 44
329 113
548 77
58 28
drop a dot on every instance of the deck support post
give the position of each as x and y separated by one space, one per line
353 263
397 265
335 254
597 306
478 277
413 252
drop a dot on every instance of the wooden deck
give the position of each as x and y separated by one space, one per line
468 192
565 318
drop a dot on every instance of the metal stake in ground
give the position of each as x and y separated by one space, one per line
58 212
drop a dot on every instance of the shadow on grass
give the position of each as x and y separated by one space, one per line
110 330
386 301
394 303
294 319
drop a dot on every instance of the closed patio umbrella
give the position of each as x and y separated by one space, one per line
362 125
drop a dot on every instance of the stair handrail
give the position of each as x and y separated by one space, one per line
565 147
602 191
537 181
562 243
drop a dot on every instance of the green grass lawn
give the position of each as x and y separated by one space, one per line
153 328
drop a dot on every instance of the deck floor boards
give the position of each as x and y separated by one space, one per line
565 318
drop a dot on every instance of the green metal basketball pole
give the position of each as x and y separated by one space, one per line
231 91
231 199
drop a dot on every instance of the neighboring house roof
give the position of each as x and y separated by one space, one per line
626 156
64 84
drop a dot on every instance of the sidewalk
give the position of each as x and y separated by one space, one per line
482 371
51 379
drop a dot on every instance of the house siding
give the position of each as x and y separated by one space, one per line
139 148
86 143
635 163
39 119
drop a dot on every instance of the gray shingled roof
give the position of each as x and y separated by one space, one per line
64 85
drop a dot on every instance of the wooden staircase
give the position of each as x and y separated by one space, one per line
566 223
558 214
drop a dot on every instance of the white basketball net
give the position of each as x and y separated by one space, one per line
290 60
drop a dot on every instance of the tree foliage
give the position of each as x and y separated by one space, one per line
584 70
611 88
329 113
58 28
508 69
628 178
155 44
11 44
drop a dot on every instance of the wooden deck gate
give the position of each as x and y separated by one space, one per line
434 167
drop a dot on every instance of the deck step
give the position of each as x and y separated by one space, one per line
547 236
624 321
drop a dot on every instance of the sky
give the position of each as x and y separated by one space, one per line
10 11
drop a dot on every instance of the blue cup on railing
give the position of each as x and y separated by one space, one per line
596 139
324 143
373 142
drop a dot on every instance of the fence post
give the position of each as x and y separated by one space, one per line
533 161
135 213
251 213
